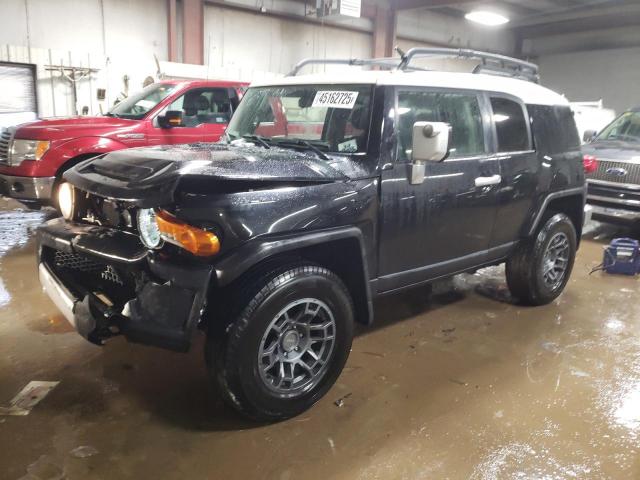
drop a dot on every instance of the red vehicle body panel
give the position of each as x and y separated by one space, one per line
79 136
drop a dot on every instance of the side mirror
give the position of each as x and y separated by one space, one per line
589 135
430 143
173 118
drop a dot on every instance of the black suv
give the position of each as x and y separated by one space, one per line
326 192
614 179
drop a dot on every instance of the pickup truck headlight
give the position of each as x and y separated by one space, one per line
67 200
28 150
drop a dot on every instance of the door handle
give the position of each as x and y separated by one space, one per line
486 181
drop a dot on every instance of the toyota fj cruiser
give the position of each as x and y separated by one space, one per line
326 192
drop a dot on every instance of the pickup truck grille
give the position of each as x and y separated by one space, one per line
604 172
6 137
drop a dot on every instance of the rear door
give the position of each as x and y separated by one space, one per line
519 165
443 225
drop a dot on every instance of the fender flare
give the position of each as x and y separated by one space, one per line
581 191
238 262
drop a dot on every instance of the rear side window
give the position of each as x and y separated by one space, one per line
511 126
461 111
554 129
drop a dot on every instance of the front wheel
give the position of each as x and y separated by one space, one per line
538 271
287 346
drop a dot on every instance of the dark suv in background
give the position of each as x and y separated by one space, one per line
324 194
614 183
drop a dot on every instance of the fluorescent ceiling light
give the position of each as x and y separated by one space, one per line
485 17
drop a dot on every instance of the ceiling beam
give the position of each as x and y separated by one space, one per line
412 4
575 13
534 6
600 22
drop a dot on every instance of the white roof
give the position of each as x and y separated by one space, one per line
528 92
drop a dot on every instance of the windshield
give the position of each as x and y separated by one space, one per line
137 106
328 118
626 128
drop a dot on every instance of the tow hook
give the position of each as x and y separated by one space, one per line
95 321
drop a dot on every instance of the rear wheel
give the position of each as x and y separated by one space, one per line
287 347
539 269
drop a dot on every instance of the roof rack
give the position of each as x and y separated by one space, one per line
490 63
356 62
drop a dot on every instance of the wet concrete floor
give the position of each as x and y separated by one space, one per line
463 386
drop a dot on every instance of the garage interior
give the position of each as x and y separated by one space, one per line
453 381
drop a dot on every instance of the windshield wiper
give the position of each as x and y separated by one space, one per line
257 139
299 142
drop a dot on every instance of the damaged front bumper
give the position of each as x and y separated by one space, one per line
105 282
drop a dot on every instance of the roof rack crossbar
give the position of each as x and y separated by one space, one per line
490 62
381 62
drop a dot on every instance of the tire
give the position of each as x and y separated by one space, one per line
528 275
265 332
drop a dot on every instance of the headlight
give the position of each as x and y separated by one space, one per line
148 228
66 200
193 239
27 150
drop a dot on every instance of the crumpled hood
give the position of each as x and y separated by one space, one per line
149 176
613 150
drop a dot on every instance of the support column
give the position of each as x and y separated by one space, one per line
193 31
384 32
172 26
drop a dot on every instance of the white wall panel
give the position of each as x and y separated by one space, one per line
254 44
71 33
611 75
444 30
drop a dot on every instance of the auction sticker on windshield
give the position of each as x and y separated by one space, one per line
335 99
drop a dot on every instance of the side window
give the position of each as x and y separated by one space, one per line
511 126
203 105
554 129
461 111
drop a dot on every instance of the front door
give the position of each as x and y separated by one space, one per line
443 225
205 115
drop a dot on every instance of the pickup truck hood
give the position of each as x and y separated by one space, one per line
148 177
66 128
613 150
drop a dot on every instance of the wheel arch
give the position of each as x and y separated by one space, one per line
73 161
570 202
340 251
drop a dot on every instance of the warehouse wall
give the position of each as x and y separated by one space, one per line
591 65
119 37
611 75
252 44
442 30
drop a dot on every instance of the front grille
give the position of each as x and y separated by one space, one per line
632 175
6 137
77 263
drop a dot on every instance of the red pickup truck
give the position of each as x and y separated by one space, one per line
34 155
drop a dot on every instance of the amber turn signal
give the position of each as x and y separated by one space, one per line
193 239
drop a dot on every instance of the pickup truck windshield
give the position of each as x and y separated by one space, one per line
327 118
137 106
625 128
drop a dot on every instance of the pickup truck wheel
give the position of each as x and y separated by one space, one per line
287 346
539 269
